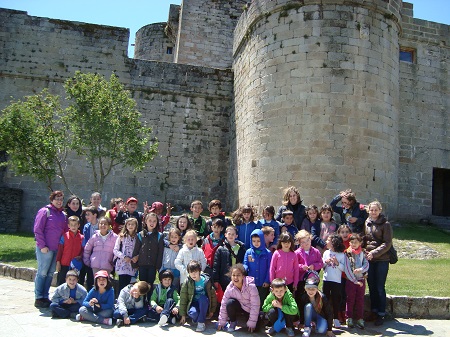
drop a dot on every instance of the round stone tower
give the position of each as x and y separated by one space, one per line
317 100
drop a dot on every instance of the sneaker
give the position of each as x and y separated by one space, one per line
232 326
290 332
379 321
119 323
306 332
163 320
271 330
107 321
200 327
173 320
78 317
360 323
336 323
350 323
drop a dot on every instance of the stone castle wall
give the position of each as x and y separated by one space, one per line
188 107
152 43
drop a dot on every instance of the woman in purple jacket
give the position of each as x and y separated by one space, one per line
50 223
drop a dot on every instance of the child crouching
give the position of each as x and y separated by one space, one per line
132 304
165 300
68 297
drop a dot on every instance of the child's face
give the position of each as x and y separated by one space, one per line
195 275
344 233
237 277
90 217
182 224
131 226
134 292
74 204
96 200
102 282
311 291
158 210
166 282
246 215
216 230
345 203
73 226
305 243
230 235
293 198
215 210
269 237
326 216
71 281
196 210
267 216
103 226
374 212
286 245
279 292
329 244
151 223
190 240
312 214
288 219
132 206
256 241
174 238
355 244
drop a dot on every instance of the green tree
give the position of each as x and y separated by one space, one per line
104 126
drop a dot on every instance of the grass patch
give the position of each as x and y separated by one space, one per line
18 249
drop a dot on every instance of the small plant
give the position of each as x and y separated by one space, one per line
358 26
293 52
305 36
324 65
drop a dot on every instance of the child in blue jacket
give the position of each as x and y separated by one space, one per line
243 219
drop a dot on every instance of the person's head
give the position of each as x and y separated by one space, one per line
57 199
248 213
326 213
344 232
132 204
335 243
174 236
217 227
374 210
303 238
291 196
257 239
196 208
151 222
348 199
157 207
312 213
237 273
166 278
190 238
194 270
130 227
71 279
269 213
285 242
96 199
183 223
269 234
74 204
356 240
139 289
115 202
215 207
231 234
102 280
278 288
91 214
74 223
312 285
288 217
104 225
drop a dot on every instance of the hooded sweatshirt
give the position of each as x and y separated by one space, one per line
257 260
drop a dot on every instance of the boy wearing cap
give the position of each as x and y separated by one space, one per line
131 304
129 210
314 306
165 300
68 297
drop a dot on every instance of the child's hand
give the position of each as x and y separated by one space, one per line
251 329
266 285
44 250
145 204
175 248
135 259
369 256
219 327
276 304
311 267
183 320
305 267
169 209
159 309
175 311
127 259
92 302
123 208
357 271
359 284
127 321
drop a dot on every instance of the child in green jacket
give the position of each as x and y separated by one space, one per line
165 301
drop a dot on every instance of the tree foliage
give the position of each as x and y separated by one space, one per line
101 124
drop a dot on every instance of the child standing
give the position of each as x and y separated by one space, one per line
157 208
99 302
183 224
123 252
356 266
269 238
257 263
240 297
327 227
129 210
211 243
344 232
229 254
215 209
197 220
280 298
198 297
70 247
268 220
169 256
288 225
89 229
68 297
165 301
334 263
149 249
189 252
312 218
284 264
131 304
244 218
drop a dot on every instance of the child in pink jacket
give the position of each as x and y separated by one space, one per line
284 264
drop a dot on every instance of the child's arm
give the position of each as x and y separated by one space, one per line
184 299
223 313
273 265
267 305
121 306
211 291
57 296
107 300
202 259
254 307
160 254
87 252
89 297
348 271
267 267
316 259
217 265
296 272
341 260
245 262
316 240
289 306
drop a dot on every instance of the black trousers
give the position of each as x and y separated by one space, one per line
332 290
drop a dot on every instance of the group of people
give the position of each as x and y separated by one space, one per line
266 270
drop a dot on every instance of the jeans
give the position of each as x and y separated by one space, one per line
98 317
199 309
133 314
355 299
64 310
311 315
46 268
376 280
167 310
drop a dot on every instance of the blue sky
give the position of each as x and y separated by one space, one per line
134 14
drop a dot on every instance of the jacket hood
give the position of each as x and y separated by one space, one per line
261 237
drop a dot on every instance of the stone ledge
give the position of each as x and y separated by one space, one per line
397 306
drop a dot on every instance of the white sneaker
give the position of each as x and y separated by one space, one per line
163 320
336 322
306 332
173 320
200 327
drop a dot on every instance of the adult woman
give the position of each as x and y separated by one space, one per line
73 206
50 223
352 212
379 240
292 202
